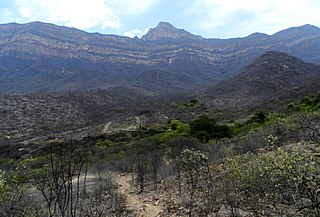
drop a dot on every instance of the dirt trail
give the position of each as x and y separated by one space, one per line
141 205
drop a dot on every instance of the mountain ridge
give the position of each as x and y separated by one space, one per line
46 57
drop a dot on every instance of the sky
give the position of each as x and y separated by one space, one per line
208 18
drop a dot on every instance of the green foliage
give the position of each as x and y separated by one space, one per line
180 128
292 106
193 160
205 129
166 136
175 130
105 143
203 123
306 101
259 117
272 142
306 104
2 182
194 103
279 178
121 154
15 198
34 162
247 127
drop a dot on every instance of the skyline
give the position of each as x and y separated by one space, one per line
208 18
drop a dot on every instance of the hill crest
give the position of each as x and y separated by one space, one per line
272 75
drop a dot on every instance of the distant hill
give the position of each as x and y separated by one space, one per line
274 75
37 57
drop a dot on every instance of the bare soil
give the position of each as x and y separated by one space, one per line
141 204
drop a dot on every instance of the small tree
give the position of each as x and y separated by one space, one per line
61 174
194 163
203 127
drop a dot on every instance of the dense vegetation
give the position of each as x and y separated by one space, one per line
264 164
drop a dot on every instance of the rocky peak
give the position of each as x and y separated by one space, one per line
165 30
165 25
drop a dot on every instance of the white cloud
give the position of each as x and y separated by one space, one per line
82 14
135 32
132 33
76 13
249 16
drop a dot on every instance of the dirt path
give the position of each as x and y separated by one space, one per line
141 205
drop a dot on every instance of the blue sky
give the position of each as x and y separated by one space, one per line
208 18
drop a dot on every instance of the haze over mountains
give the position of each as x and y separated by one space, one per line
44 57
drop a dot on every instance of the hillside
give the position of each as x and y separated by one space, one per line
264 164
37 57
40 116
272 76
270 81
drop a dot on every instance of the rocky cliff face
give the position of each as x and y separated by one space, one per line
45 57
167 31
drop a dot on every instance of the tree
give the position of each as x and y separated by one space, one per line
146 160
61 174
194 164
206 128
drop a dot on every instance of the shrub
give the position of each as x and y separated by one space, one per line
275 180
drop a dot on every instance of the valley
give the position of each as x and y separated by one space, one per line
169 124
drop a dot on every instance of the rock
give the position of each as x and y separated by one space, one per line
167 31
305 202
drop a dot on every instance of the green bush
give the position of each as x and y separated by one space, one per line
180 128
306 104
205 129
276 179
203 123
306 101
175 129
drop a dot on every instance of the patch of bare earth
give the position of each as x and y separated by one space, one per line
141 204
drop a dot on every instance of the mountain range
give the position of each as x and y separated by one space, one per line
58 80
42 57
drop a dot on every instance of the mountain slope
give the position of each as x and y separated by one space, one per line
45 57
165 30
162 81
272 75
271 78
